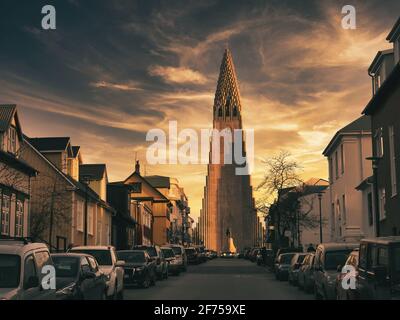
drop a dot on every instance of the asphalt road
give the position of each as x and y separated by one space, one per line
220 279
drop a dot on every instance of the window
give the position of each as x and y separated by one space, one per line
344 208
19 219
342 158
363 256
93 264
383 257
379 142
336 165
333 229
79 214
42 259
376 82
29 269
91 210
392 155
5 215
382 204
370 209
85 266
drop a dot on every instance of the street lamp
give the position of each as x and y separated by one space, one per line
375 165
320 216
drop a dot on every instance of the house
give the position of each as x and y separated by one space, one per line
15 177
149 208
180 210
383 109
60 201
347 155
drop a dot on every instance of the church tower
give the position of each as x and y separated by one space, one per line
228 215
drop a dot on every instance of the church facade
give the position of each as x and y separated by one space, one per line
228 216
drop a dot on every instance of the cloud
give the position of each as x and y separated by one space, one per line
131 86
177 75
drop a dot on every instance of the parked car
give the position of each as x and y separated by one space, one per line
21 263
253 254
139 268
174 266
282 265
192 255
247 253
109 264
180 255
78 277
260 258
379 268
214 254
294 268
348 293
156 254
269 258
227 255
328 257
306 273
201 253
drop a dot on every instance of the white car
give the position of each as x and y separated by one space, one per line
109 264
22 272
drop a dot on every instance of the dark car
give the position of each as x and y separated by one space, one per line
227 255
348 293
306 273
78 277
253 254
155 254
294 268
282 266
139 268
174 266
192 255
379 269
201 253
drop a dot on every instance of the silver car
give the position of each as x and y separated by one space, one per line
328 257
306 274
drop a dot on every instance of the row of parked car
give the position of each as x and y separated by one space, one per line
28 271
343 271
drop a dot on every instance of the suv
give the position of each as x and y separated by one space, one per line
379 268
156 254
180 255
112 268
21 271
329 258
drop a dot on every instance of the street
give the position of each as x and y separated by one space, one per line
219 279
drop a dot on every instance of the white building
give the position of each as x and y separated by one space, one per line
348 168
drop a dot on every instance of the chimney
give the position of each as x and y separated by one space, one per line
137 167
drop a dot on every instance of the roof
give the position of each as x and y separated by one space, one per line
383 240
17 163
6 114
307 190
92 248
144 180
367 182
395 32
339 246
18 247
50 143
387 88
361 125
94 171
75 150
376 63
159 181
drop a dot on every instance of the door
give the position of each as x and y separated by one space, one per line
87 285
99 283
30 291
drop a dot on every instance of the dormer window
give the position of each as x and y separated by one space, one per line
376 82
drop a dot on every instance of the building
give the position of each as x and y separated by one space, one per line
149 208
347 155
228 206
180 209
60 202
15 177
383 109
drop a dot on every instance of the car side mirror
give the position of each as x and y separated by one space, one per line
120 263
32 282
380 273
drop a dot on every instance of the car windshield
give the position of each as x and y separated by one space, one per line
9 271
168 253
177 250
150 250
333 259
286 258
103 257
132 257
66 267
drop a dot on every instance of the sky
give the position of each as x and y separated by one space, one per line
115 69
